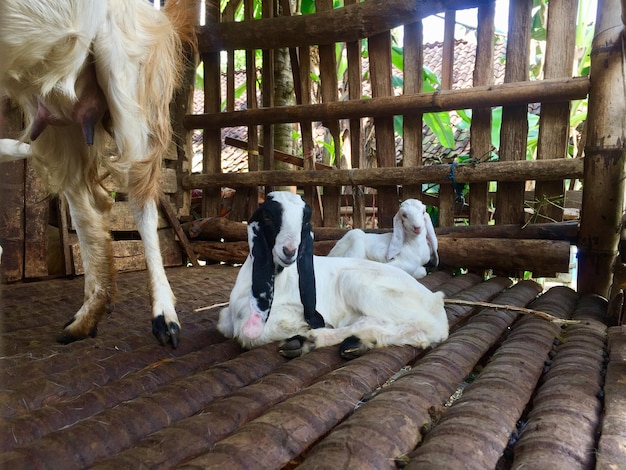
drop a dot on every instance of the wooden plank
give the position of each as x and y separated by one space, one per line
12 194
413 84
355 91
447 192
328 76
380 75
12 219
480 131
211 138
351 23
36 209
514 129
122 219
128 255
554 121
167 181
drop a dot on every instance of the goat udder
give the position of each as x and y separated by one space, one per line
254 326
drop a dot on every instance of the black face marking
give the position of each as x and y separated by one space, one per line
270 218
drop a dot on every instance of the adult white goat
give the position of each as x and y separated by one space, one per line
78 69
284 292
411 246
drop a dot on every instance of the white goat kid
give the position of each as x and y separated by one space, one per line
76 67
411 246
284 292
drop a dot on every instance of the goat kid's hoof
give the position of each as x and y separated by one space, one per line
295 346
352 347
68 336
166 333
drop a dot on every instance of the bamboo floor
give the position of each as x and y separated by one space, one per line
506 390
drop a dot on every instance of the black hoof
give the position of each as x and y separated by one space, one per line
352 347
67 337
166 333
292 347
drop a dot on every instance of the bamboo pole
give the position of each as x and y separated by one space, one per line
545 91
492 171
605 154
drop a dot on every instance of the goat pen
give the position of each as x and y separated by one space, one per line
506 390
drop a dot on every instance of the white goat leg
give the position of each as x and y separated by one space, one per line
165 324
94 239
11 150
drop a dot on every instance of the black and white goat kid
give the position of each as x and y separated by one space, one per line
283 291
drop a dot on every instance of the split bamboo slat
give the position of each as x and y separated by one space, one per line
379 49
355 86
413 74
554 126
211 138
514 128
480 131
447 192
328 76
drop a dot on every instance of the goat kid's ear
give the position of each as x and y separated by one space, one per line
263 273
431 238
306 273
397 238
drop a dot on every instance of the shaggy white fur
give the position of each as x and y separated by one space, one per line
80 69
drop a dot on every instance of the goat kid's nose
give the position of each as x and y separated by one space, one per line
289 252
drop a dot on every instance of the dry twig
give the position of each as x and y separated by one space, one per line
512 308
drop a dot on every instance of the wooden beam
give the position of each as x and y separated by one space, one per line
478 253
544 91
491 171
350 23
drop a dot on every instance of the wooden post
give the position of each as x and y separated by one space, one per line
447 193
554 124
413 84
380 75
12 194
605 154
328 75
480 132
355 85
514 131
211 138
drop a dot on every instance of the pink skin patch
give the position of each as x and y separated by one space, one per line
254 326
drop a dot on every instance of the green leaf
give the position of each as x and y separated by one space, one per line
439 123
